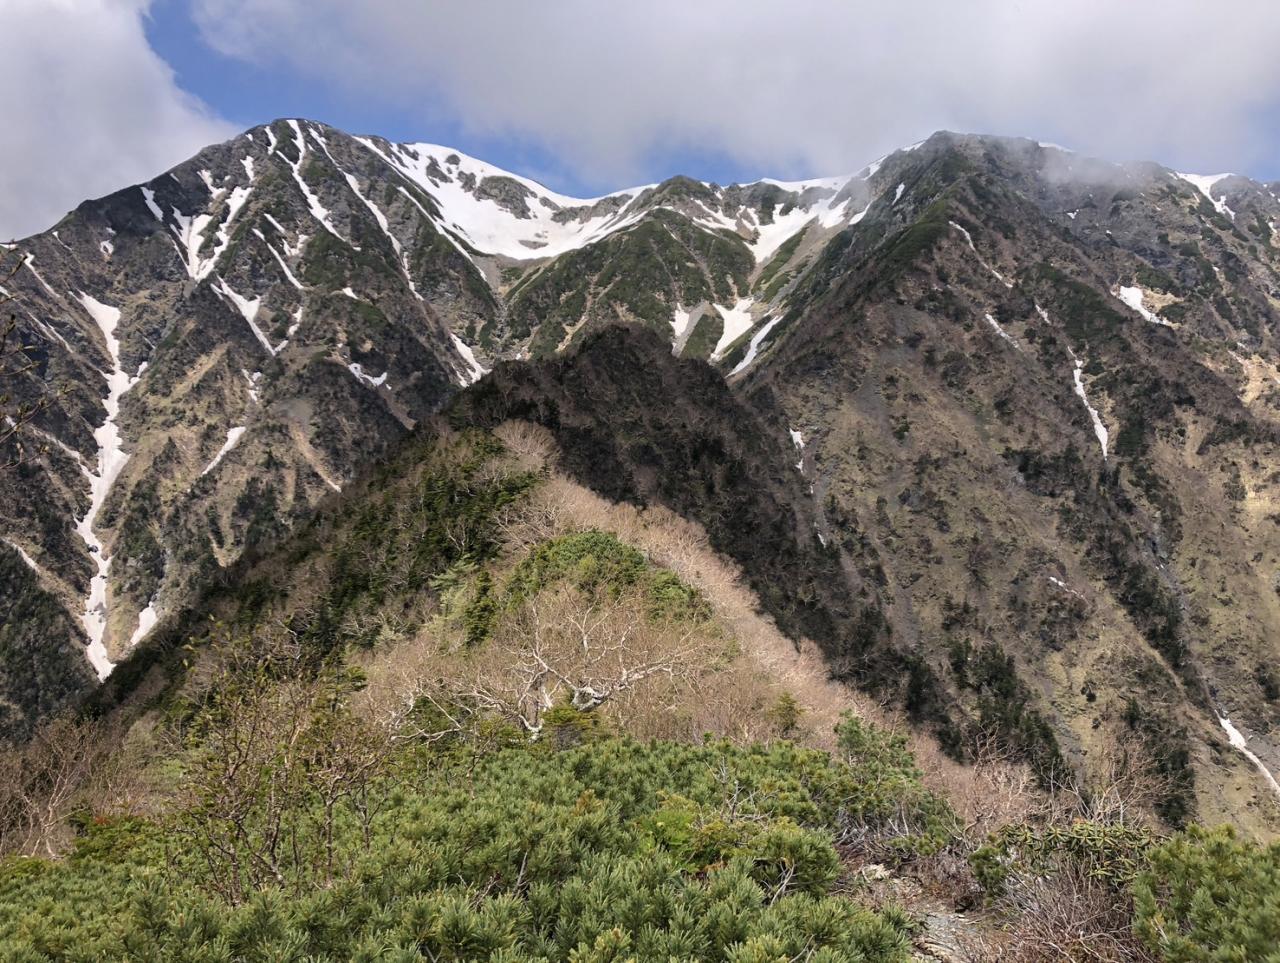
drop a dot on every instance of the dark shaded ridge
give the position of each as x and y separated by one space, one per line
637 425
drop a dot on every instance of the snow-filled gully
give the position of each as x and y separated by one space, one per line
753 348
318 210
111 459
1099 429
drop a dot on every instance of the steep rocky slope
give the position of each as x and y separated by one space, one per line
1035 405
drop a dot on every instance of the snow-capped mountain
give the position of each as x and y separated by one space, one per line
1031 396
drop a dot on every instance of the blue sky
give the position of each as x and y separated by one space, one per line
594 95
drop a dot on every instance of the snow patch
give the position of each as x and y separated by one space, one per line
488 226
1001 331
1134 298
897 194
253 380
149 196
680 322
1058 583
475 370
770 237
362 375
233 437
147 620
737 322
1204 184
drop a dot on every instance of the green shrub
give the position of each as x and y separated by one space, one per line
1211 896
607 850
1113 854
598 562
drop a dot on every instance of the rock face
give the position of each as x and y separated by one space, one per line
1004 418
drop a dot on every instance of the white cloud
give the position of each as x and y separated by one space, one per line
87 108
801 86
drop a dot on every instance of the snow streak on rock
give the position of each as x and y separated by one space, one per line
1001 331
1099 429
31 562
969 240
248 309
1241 744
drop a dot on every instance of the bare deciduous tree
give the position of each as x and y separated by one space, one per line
44 780
567 647
277 756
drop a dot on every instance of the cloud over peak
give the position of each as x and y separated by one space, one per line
88 108
807 86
